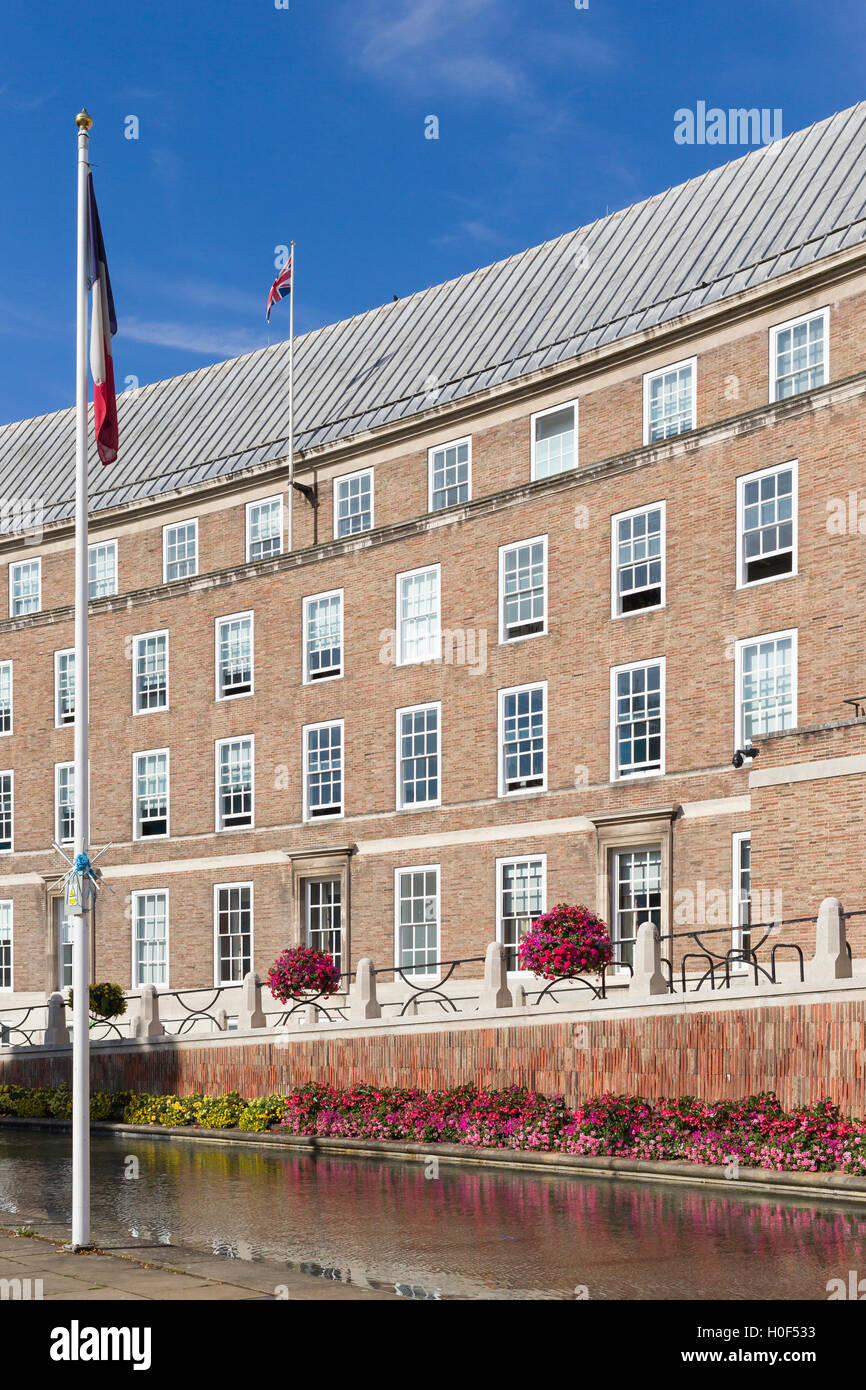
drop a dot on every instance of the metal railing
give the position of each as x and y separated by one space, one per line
724 963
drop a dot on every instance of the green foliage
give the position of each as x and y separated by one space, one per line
220 1112
106 1000
34 1105
60 1103
262 1114
8 1098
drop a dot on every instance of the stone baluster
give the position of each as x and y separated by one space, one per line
495 993
56 1031
147 1024
363 1001
251 1014
648 978
831 960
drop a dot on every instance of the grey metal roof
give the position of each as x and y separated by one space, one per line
776 209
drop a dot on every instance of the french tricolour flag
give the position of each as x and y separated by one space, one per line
103 326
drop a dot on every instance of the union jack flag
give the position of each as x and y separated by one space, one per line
281 287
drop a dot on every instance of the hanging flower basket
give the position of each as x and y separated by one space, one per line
564 943
107 1001
300 970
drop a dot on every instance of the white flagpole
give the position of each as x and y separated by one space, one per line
292 402
81 931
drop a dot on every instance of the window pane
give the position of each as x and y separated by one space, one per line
102 569
523 589
5 945
419 617
151 672
418 921
449 469
151 791
323 626
25 587
151 939
638 719
767 687
181 550
234 933
521 889
419 756
637 898
5 697
353 504
324 766
523 753
324 918
5 810
235 795
555 442
265 521
800 357
670 403
235 656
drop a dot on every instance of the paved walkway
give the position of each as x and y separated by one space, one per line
108 1275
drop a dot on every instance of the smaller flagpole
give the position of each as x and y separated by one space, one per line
83 895
292 401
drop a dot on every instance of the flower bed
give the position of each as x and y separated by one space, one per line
755 1132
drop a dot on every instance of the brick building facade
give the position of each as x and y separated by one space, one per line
529 612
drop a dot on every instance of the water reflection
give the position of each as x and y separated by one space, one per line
471 1233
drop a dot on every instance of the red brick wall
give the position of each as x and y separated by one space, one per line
802 1051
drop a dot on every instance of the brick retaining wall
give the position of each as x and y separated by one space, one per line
804 1051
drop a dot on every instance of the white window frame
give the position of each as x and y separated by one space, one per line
318 598
615 774
742 581
437 448
417 709
10 904
174 526
503 551
435 976
539 415
777 328
737 932
261 502
500 738
217 888
6 733
10 773
58 768
145 893
103 545
141 637
501 865
136 820
58 722
15 565
739 712
306 908
410 574
305 732
234 618
649 378
218 744
615 852
346 478
615 609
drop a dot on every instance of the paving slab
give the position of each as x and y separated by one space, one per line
159 1274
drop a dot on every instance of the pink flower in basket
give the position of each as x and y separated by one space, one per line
300 970
564 943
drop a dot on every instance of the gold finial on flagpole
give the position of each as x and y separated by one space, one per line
84 120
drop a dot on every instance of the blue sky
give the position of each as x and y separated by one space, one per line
259 124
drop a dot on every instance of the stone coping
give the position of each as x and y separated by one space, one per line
835 1186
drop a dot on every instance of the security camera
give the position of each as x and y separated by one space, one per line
742 754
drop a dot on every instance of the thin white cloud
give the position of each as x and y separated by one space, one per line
213 342
474 48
